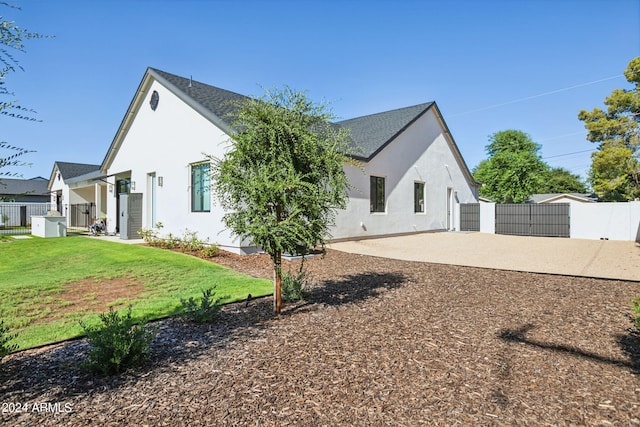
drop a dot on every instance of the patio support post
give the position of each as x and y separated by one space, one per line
98 200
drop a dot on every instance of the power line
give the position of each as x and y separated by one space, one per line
538 95
568 154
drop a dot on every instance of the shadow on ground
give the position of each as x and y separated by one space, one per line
350 289
629 343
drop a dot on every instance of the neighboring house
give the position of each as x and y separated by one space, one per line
78 193
24 190
412 177
563 198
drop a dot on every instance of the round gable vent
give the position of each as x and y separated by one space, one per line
154 100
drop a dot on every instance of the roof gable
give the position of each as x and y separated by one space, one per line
370 134
71 170
216 101
68 171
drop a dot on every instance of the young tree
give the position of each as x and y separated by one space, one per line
283 177
615 166
514 170
12 40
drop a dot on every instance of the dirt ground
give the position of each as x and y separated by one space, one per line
376 342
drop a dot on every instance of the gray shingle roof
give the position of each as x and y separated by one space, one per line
18 187
71 170
369 134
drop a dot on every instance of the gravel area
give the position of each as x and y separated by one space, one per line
377 342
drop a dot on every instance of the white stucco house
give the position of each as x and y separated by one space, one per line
413 175
78 193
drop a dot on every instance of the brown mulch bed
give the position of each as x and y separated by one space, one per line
377 342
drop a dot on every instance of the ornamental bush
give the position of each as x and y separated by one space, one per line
292 286
204 310
209 251
118 343
5 338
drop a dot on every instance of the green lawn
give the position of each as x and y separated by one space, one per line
37 275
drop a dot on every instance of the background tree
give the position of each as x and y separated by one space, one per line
615 166
283 177
12 40
560 180
514 170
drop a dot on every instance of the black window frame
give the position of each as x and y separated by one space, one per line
377 195
419 196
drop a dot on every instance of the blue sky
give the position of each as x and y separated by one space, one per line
490 65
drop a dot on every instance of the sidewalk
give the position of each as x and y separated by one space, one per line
116 238
608 259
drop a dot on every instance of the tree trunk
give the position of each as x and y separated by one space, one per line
277 283
277 264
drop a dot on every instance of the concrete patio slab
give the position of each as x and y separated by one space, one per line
610 259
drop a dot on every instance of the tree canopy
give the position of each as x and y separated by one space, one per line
283 177
615 166
514 169
560 180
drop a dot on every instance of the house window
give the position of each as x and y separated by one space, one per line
377 194
123 186
200 188
418 197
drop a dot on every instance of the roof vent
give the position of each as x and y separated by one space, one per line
190 81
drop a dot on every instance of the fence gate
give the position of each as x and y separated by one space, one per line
543 220
81 215
470 217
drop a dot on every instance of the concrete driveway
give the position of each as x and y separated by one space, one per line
610 259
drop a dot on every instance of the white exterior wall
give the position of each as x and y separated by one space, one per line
614 221
58 186
420 154
81 195
165 142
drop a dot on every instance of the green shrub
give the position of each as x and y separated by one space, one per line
292 286
636 310
5 337
190 241
118 343
171 242
206 310
150 235
209 251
